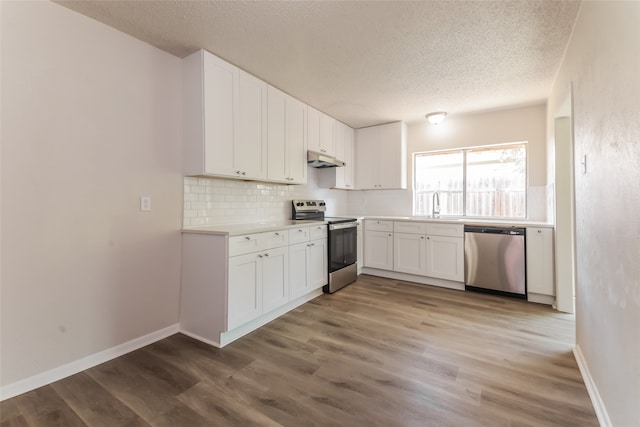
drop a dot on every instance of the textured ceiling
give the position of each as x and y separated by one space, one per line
368 62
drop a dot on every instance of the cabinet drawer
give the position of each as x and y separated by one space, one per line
245 244
375 225
275 239
239 245
450 230
298 234
410 227
318 231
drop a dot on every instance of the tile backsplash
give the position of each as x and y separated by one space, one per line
209 201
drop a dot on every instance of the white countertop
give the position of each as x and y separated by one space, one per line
239 229
465 221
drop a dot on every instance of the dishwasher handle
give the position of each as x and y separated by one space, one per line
511 231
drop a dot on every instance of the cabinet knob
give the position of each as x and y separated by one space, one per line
299 230
428 238
422 237
277 234
539 231
312 244
266 254
389 234
259 256
238 172
244 173
247 238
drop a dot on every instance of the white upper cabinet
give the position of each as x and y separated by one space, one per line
225 123
210 86
313 129
276 135
287 149
296 139
327 135
321 132
250 144
381 157
345 152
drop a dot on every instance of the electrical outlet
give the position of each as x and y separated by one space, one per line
145 203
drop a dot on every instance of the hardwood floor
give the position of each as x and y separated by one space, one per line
378 353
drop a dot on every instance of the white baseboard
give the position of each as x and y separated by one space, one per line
55 374
596 400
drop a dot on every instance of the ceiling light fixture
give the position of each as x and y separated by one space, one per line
436 118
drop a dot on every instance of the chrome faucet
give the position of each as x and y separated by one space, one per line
435 205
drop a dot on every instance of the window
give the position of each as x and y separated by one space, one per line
481 182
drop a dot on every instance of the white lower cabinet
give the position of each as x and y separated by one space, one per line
275 279
245 289
308 267
540 274
410 253
378 250
445 257
258 283
233 285
433 250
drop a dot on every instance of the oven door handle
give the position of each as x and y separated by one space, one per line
343 225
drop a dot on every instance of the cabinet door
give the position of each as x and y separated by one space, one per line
275 278
392 156
409 253
313 129
378 250
344 152
298 270
245 290
317 264
366 151
349 168
220 81
277 169
250 157
540 261
296 141
327 135
445 258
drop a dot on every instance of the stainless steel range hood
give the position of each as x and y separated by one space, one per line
319 160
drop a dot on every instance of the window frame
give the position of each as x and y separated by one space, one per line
464 151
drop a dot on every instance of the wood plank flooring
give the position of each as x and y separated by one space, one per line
378 353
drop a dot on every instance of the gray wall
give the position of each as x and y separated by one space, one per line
603 65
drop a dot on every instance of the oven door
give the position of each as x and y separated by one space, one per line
343 241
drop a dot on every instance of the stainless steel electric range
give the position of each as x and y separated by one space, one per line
342 242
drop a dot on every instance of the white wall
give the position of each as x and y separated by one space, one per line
91 120
225 201
603 65
495 127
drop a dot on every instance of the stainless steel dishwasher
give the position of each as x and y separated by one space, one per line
494 260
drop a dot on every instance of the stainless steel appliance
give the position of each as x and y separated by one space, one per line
319 160
494 260
342 242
